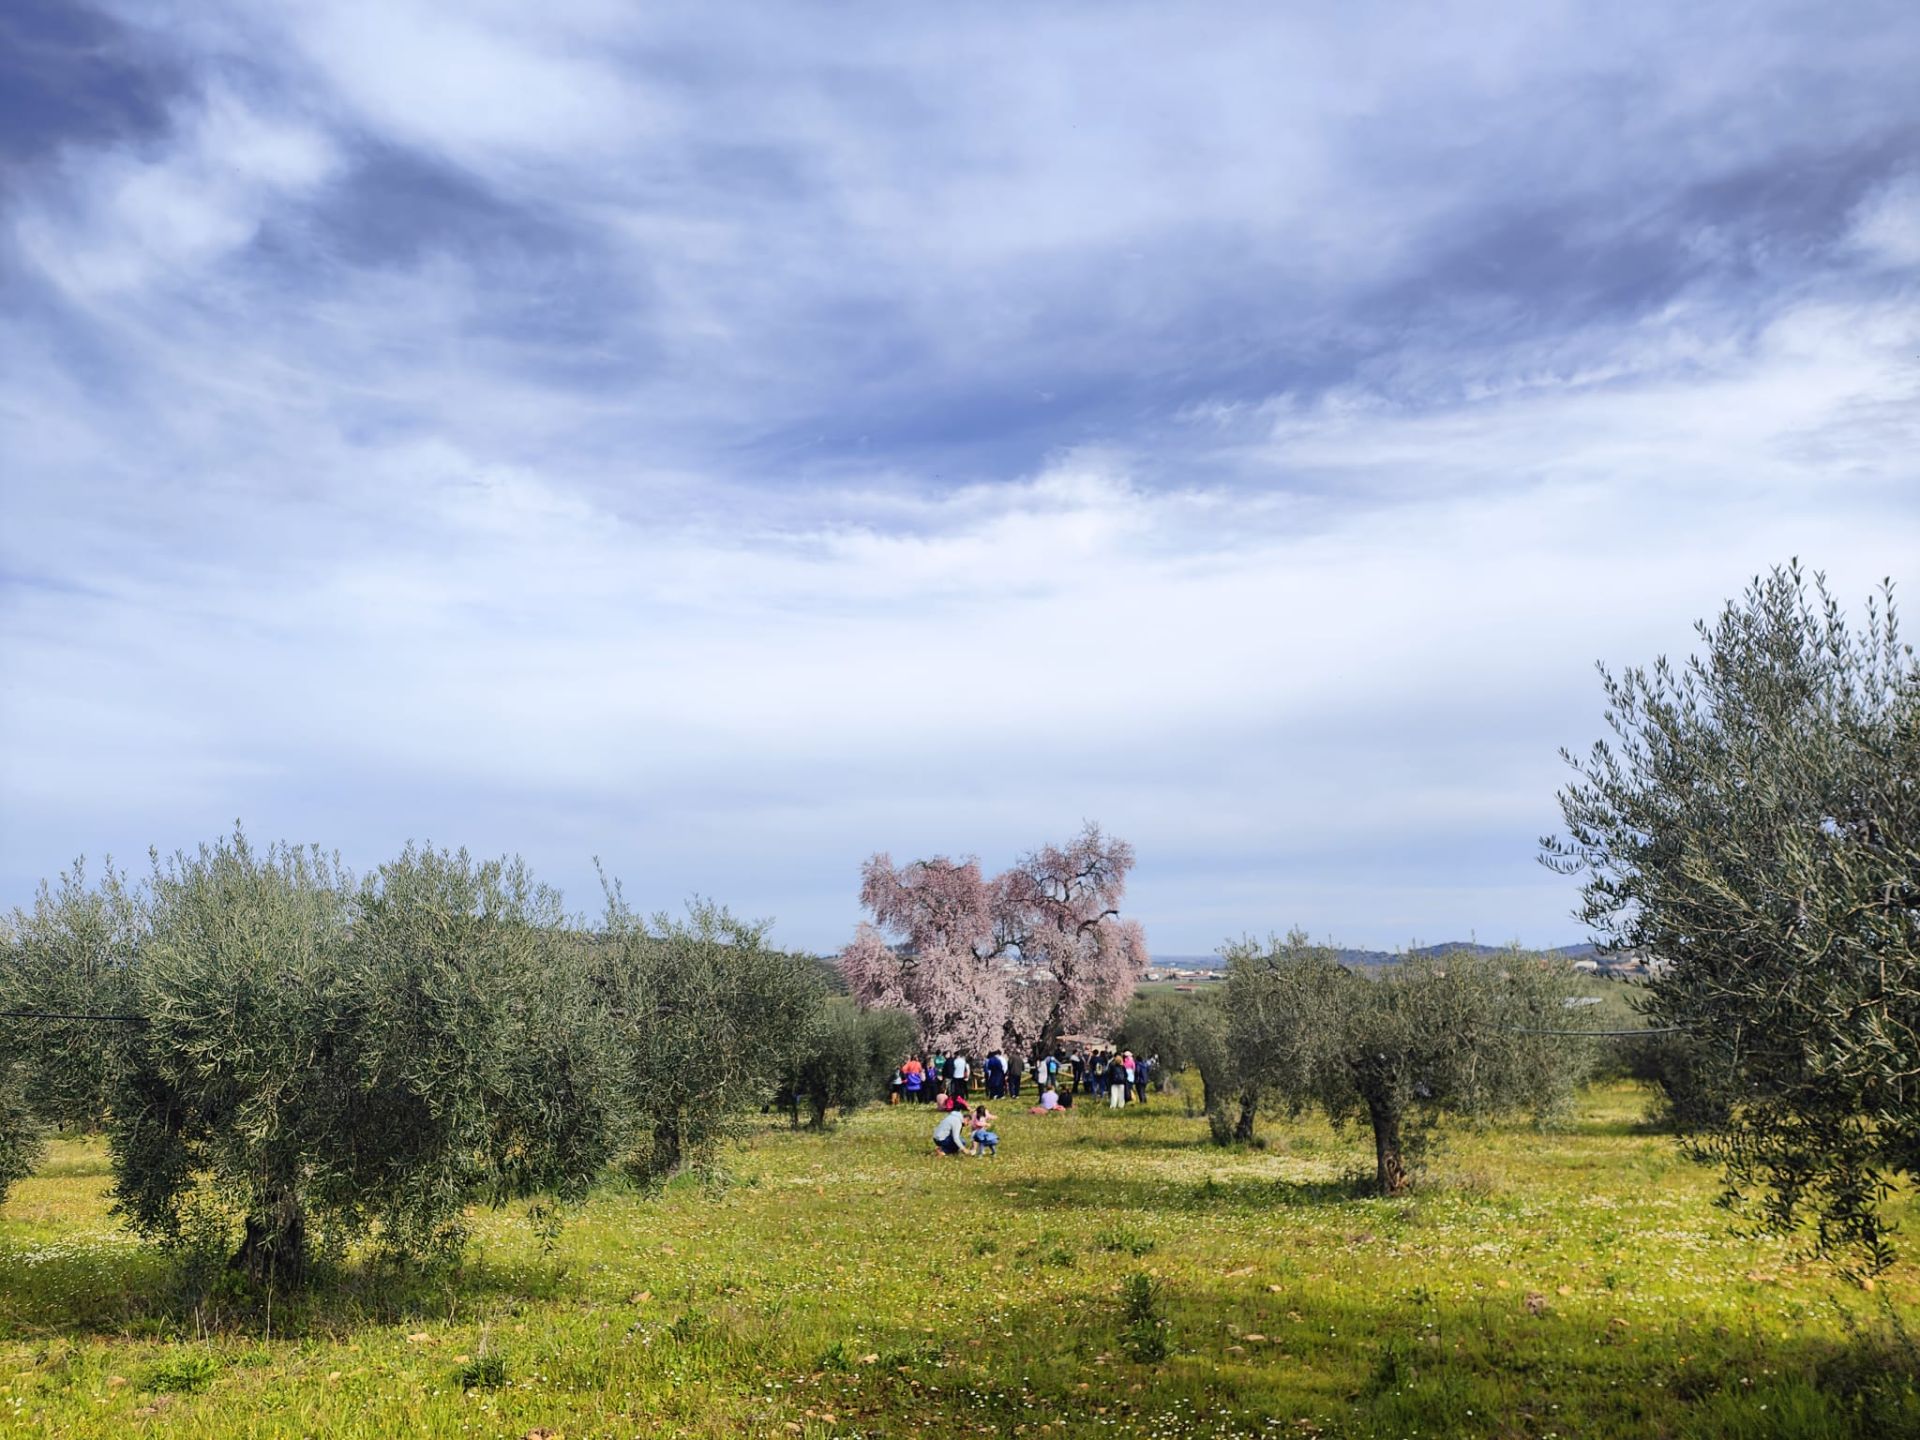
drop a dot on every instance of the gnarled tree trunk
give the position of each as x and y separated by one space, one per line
1249 1108
669 1148
273 1250
1390 1159
1213 1100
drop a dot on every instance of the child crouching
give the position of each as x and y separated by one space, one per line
984 1138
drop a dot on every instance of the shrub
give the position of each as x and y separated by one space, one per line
483 1372
180 1374
1143 1316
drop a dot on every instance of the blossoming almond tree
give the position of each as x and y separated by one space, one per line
1019 959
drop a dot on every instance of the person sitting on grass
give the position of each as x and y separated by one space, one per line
1049 1102
947 1134
984 1140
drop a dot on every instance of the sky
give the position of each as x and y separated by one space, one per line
730 440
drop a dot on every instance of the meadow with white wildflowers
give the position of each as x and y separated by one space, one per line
1561 1283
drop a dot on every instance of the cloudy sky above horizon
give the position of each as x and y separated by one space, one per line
729 441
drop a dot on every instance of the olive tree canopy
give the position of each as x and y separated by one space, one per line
849 1057
707 1020
1193 1032
1754 825
70 954
373 1056
1458 1034
19 1131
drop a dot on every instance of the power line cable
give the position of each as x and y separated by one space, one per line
1654 1030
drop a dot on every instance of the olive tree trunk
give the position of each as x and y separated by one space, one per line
1389 1151
1213 1101
1249 1108
273 1249
669 1148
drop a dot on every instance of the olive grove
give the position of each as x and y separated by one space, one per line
281 1051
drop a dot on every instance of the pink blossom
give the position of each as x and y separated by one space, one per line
1018 960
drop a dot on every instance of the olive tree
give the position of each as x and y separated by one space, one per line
1754 825
707 1019
373 1056
1458 1035
1195 1032
848 1057
1692 1098
222 1085
65 956
20 1137
66 960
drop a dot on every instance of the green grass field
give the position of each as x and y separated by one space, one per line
1574 1283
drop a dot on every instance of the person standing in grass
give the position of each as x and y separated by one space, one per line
996 1076
916 1075
1013 1073
1116 1084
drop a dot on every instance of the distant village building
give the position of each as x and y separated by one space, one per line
1635 965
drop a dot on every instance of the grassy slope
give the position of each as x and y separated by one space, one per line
1575 1284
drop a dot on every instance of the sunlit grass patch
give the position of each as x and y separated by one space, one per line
1574 1282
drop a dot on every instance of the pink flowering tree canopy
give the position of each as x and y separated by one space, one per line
1017 960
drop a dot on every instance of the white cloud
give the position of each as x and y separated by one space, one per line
1887 224
558 527
127 219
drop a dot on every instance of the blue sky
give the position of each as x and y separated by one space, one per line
729 440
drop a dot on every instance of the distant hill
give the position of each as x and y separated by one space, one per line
1378 959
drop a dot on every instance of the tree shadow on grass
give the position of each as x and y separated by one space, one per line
134 1292
1210 1194
1155 1142
1207 1359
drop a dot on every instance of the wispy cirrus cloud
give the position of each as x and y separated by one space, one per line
730 444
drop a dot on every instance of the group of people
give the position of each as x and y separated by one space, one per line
949 1081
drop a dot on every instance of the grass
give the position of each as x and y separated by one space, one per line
1110 1274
